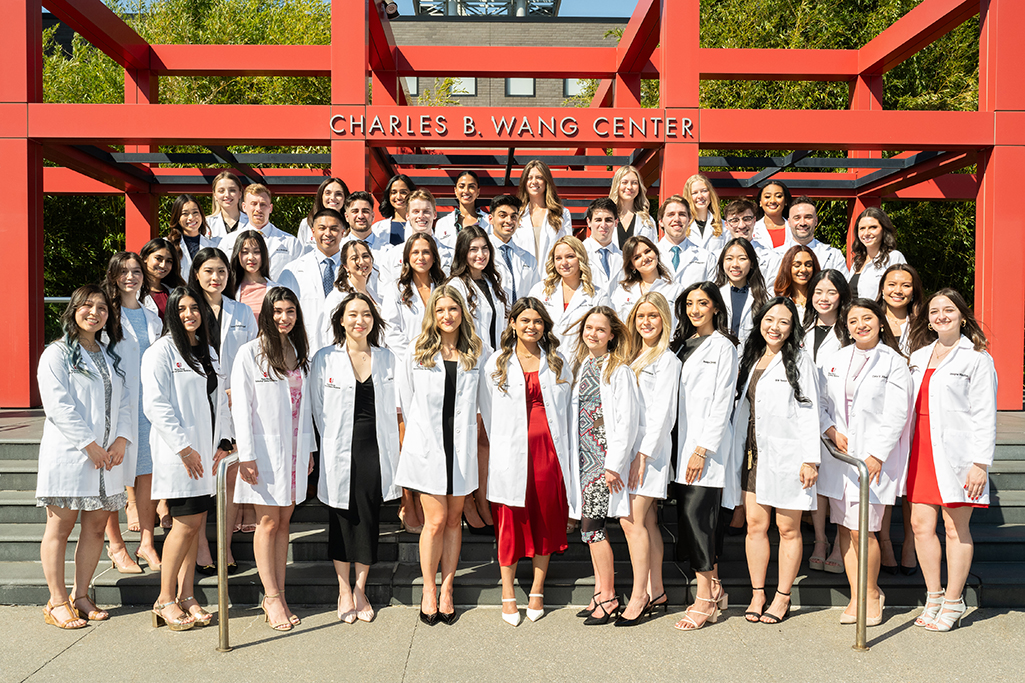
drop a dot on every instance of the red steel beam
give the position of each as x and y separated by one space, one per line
640 37
780 65
434 61
94 168
241 60
61 180
916 30
95 22
947 163
382 41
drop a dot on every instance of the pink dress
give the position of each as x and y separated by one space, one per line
295 392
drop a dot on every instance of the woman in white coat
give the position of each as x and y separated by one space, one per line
226 216
137 328
567 291
606 416
525 404
87 429
741 286
643 272
271 415
955 437
352 385
438 388
824 336
874 249
775 449
868 400
466 212
184 398
631 198
544 218
163 273
250 270
708 351
706 228
188 231
658 378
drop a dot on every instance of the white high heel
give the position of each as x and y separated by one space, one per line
535 614
932 607
948 617
511 619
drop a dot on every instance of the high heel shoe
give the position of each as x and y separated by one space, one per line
933 602
818 562
711 616
772 619
153 566
282 626
535 614
201 616
132 568
428 619
183 623
723 601
606 615
949 617
755 617
65 624
654 604
486 530
593 605
511 619
623 621
447 618
875 621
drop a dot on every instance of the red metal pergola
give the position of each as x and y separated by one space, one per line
370 142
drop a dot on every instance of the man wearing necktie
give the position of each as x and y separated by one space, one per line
604 255
688 262
516 266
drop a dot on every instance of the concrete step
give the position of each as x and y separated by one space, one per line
18 475
19 449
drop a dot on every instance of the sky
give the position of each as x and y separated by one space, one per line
570 8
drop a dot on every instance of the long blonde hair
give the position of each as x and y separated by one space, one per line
641 204
549 343
428 344
618 346
713 202
552 201
552 277
642 355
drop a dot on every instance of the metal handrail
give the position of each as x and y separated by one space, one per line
861 637
222 552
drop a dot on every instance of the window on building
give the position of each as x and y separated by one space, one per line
519 87
464 86
571 87
412 85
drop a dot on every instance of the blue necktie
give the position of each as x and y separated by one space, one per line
604 254
676 257
506 249
328 276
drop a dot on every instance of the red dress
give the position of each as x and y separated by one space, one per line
922 484
538 528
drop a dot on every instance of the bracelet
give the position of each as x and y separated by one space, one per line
700 455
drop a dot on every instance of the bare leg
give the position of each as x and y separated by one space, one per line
118 552
604 576
656 552
907 549
363 607
537 587
147 508
508 589
927 544
791 547
960 549
887 557
818 520
179 558
60 522
431 545
637 540
851 566
756 545
132 510
450 553
265 549
483 455
164 513
281 541
87 552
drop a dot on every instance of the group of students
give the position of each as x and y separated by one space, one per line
494 370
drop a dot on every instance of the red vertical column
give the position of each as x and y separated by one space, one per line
679 91
350 62
1000 226
866 95
21 222
141 222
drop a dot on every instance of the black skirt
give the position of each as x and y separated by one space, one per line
701 527
194 505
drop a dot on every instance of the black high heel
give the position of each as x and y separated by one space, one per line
606 615
429 619
587 612
486 530
645 612
755 617
772 619
654 605
447 618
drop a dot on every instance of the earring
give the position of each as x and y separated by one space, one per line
929 326
963 323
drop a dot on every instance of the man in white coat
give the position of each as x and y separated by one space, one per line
740 221
312 276
687 262
803 220
516 266
283 247
604 256
359 216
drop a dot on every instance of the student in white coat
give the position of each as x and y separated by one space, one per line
568 291
517 268
312 276
394 202
874 249
163 273
525 404
802 221
282 247
270 409
544 218
823 337
740 222
658 379
706 227
358 212
631 200
955 437
868 401
422 212
438 389
250 270
775 449
227 215
606 417
135 328
773 206
707 349
184 397
352 387
741 286
604 257
88 428
466 212
643 272
797 266
903 299
188 231
356 275
331 194
687 262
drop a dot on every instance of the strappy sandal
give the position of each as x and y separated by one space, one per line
654 605
772 619
711 616
292 619
723 601
932 607
49 617
183 623
93 613
818 562
606 615
200 615
281 626
949 617
591 606
755 617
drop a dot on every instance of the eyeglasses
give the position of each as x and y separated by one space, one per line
737 220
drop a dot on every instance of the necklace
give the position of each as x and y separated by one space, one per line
938 355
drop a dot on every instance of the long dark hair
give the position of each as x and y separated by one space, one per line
461 269
342 277
174 231
630 274
238 271
685 328
843 288
436 274
374 336
755 347
755 279
549 341
69 326
174 276
885 335
271 347
787 197
202 256
115 267
318 199
917 304
921 335
387 210
785 277
887 243
199 361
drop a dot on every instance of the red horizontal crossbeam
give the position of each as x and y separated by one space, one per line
917 29
639 37
103 29
241 60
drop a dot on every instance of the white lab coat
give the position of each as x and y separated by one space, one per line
621 410
150 305
325 328
390 232
403 323
565 319
333 391
746 315
174 400
624 298
186 260
283 247
217 229
787 434
708 241
707 385
871 274
484 320
524 236
659 391
760 233
962 415
305 236
524 273
75 410
697 264
238 326
446 230
878 424
303 276
608 282
390 266
644 226
827 255
504 411
261 411
421 393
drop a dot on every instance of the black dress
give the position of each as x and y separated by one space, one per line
353 534
448 411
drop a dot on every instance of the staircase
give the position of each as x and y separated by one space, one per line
997 579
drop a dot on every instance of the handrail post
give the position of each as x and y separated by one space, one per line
222 552
861 634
